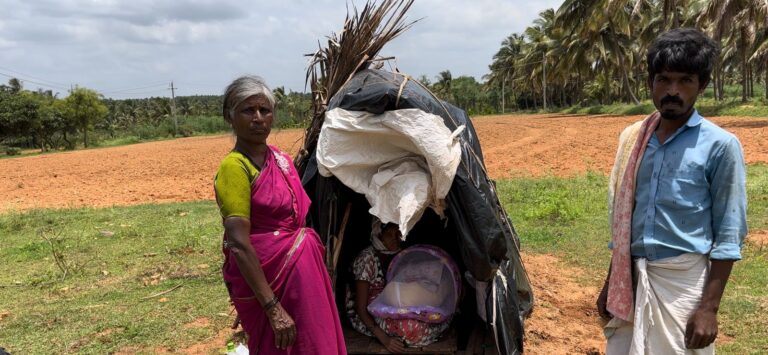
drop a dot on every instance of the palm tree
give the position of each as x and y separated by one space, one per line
15 85
279 93
668 8
605 27
760 55
740 21
534 58
503 67
443 85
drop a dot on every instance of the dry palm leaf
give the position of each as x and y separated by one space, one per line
364 34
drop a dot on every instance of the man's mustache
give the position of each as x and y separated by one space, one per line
671 100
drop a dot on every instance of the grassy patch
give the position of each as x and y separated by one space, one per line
77 280
733 107
620 109
564 217
757 195
706 106
568 218
89 297
113 142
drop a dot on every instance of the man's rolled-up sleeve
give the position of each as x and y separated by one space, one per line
729 203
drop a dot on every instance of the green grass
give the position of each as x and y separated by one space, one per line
568 218
706 107
100 305
116 257
565 217
733 107
733 91
164 129
620 109
706 104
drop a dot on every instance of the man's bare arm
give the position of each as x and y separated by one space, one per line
701 329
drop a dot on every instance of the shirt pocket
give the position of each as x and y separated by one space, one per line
685 189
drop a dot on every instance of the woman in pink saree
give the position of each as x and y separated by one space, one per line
273 264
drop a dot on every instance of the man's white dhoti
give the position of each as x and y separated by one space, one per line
668 292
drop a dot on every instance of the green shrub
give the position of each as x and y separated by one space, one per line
196 125
642 109
152 131
12 151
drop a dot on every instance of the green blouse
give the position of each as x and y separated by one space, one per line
233 184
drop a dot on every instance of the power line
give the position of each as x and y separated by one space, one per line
34 82
30 76
15 74
206 85
118 91
156 92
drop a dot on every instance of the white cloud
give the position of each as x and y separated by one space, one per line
140 12
6 44
113 44
171 32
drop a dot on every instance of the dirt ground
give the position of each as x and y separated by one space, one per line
183 169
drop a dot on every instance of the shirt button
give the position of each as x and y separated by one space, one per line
276 233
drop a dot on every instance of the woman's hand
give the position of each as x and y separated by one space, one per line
283 326
393 345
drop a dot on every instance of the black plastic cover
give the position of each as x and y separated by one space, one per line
487 240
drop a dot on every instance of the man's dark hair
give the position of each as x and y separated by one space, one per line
683 50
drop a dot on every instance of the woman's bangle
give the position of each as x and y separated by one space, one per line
271 304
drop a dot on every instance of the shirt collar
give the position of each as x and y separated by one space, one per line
694 120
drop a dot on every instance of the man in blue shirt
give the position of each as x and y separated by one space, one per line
689 216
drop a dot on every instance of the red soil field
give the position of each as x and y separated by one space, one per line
182 169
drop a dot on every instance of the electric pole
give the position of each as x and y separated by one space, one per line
502 93
544 79
173 111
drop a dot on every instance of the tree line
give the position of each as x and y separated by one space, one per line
593 51
39 119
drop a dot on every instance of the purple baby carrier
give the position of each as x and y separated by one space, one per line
423 283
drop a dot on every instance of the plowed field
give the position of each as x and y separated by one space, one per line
182 169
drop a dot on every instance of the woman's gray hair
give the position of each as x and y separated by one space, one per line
241 89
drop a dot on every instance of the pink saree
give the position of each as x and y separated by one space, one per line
291 256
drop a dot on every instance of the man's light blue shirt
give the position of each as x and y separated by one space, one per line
691 195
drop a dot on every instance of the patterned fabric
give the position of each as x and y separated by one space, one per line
632 144
413 332
291 256
368 267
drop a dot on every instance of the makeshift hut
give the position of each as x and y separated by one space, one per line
464 218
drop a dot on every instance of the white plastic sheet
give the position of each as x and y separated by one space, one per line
403 161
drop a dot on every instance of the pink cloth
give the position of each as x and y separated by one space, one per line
620 290
291 256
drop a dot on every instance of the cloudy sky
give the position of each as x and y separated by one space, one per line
135 48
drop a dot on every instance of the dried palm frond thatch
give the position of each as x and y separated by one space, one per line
363 36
